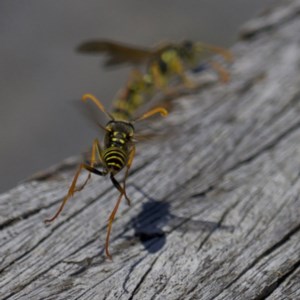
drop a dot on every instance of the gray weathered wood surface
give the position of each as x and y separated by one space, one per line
215 211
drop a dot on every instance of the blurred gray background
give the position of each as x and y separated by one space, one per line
42 76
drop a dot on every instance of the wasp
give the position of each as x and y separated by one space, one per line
117 153
162 62
132 96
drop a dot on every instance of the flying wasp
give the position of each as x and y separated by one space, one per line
132 96
162 62
116 154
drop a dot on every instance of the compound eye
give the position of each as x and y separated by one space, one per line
108 127
131 132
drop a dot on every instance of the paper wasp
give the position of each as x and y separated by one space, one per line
117 153
162 62
132 96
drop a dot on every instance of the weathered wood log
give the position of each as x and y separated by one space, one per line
215 211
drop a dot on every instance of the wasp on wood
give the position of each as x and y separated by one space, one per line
117 153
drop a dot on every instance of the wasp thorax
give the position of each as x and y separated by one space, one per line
120 126
119 133
187 49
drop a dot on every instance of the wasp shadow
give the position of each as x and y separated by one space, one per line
155 220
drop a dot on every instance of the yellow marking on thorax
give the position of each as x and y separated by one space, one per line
172 59
169 56
118 140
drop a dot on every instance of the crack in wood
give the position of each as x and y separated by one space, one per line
143 278
101 281
245 161
252 157
268 290
164 285
266 253
38 244
131 269
265 149
219 224
20 287
23 216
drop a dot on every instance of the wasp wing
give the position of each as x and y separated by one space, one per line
117 53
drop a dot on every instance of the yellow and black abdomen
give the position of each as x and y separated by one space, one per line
115 159
117 145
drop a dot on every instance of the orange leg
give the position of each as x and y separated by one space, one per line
130 160
187 82
73 189
122 192
223 74
69 195
226 54
109 226
158 78
96 149
117 185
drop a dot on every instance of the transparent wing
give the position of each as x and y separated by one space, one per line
117 53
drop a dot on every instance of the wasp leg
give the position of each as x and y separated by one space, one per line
113 179
130 160
223 74
95 171
122 192
73 189
226 54
178 69
188 83
70 193
109 226
117 185
158 79
96 149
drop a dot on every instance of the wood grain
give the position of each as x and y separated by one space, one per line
215 211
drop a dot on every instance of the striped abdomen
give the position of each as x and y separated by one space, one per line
115 159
